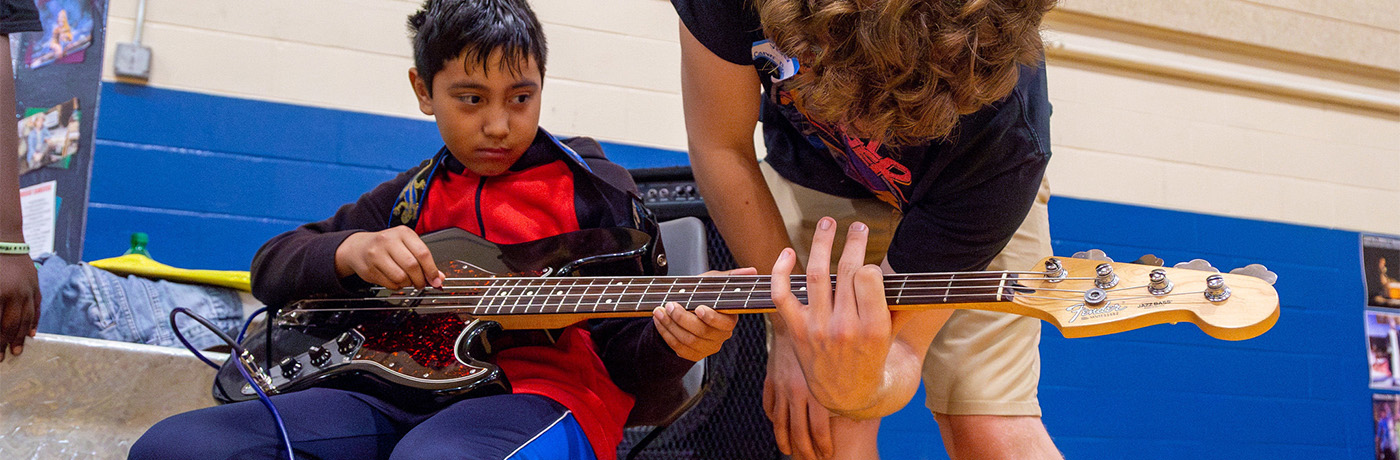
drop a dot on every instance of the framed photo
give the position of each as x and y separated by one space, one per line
48 137
1380 262
67 32
1385 410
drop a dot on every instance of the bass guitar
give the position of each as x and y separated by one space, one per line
427 347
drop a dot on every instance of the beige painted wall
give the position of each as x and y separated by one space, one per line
1282 110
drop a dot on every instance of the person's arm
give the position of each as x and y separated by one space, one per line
722 101
19 287
308 260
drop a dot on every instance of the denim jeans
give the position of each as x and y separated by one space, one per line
86 301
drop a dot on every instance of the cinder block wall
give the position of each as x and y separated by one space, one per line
264 114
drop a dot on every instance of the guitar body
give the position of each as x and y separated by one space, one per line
420 358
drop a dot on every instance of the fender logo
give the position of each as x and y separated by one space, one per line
1092 313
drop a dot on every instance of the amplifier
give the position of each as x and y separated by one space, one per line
670 192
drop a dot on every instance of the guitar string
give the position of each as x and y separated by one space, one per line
744 302
701 287
929 277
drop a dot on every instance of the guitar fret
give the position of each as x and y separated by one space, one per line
536 286
949 289
1001 286
509 297
565 295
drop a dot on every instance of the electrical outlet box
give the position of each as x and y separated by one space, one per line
132 61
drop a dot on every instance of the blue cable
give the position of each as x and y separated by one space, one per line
249 322
237 351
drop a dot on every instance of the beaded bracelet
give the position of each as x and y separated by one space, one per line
13 248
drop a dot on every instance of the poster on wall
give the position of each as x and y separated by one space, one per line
68 31
1380 262
1385 411
1383 349
58 77
49 137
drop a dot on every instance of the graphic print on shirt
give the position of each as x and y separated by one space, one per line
862 161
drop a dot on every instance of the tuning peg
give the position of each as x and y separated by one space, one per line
1257 271
1092 254
1149 259
1198 264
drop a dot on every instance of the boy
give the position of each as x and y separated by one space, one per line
479 67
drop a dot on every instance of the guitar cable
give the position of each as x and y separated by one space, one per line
235 352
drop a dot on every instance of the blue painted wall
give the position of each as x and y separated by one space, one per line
211 178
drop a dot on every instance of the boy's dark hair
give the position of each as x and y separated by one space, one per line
473 29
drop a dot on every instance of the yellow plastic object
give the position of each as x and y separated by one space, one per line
142 265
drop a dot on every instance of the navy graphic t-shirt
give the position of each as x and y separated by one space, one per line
962 196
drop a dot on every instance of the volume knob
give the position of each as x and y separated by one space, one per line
290 367
319 356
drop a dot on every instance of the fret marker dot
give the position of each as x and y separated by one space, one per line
558 292
607 301
530 292
682 291
736 289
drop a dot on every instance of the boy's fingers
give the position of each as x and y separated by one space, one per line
373 275
420 252
852 259
409 265
668 333
715 319
393 273
683 324
743 271
693 323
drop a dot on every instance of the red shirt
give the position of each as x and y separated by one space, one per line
521 206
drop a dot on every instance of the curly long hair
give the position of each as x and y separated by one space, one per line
903 71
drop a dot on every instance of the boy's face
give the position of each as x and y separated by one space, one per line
487 118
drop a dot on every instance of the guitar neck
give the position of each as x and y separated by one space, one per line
732 294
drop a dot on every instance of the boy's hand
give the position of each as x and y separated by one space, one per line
394 258
699 334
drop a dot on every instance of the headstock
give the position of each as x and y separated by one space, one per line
1093 296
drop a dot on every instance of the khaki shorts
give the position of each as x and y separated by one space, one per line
981 363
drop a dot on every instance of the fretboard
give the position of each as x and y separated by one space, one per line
522 296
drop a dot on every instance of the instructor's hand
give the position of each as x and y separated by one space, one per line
801 425
842 338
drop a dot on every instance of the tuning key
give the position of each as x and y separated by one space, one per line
1105 277
1092 254
1149 259
1054 271
1257 271
1198 264
1157 282
1216 290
